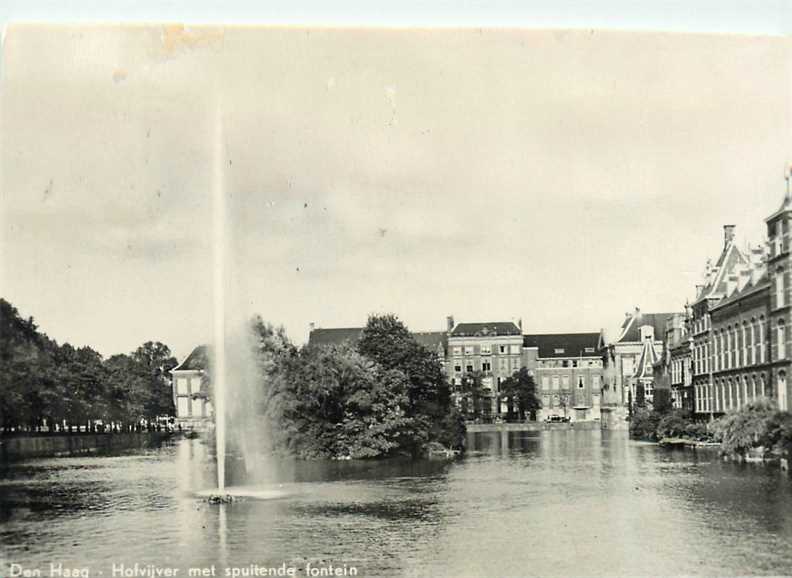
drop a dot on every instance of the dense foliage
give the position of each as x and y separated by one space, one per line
385 396
519 390
745 428
44 382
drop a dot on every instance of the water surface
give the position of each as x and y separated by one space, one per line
555 503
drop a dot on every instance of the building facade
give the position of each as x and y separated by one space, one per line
567 367
719 281
622 367
568 371
679 360
190 390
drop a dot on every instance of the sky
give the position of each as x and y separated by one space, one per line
558 177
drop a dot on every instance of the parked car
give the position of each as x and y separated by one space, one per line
557 419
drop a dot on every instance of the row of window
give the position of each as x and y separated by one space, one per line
680 371
562 382
730 394
549 363
485 365
486 349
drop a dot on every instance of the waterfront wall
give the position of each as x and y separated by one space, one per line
532 426
20 447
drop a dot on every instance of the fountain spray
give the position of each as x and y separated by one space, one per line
219 238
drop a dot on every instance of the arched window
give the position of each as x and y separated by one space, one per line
753 341
781 339
782 391
744 389
779 287
761 338
744 330
727 365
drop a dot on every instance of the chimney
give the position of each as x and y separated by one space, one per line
519 323
311 327
450 323
728 235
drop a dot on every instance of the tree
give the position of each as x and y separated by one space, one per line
472 394
388 342
520 390
155 363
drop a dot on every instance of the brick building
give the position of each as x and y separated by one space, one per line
568 373
567 367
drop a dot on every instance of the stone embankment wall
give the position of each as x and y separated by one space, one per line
20 447
532 426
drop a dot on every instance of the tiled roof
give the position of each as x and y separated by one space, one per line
564 344
762 283
727 261
432 340
490 329
631 328
198 360
335 336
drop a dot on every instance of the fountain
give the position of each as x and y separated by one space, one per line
235 347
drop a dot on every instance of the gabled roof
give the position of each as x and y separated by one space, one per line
762 283
335 336
198 360
564 344
489 329
631 328
729 258
645 367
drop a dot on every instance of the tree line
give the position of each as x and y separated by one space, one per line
62 386
383 395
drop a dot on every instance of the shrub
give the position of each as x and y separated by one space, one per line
643 424
778 434
674 424
740 430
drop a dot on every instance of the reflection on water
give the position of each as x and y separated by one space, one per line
520 503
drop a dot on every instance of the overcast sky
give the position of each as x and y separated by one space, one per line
558 177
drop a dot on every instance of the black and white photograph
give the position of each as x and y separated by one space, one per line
480 293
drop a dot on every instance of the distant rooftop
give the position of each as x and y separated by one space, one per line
198 360
564 344
489 329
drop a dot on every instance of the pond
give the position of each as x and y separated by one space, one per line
551 503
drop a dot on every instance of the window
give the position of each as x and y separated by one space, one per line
555 382
486 366
781 339
559 351
181 386
486 349
574 363
627 366
753 340
516 349
565 382
779 287
458 366
581 382
565 363
469 367
457 350
468 350
545 382
589 350
502 349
